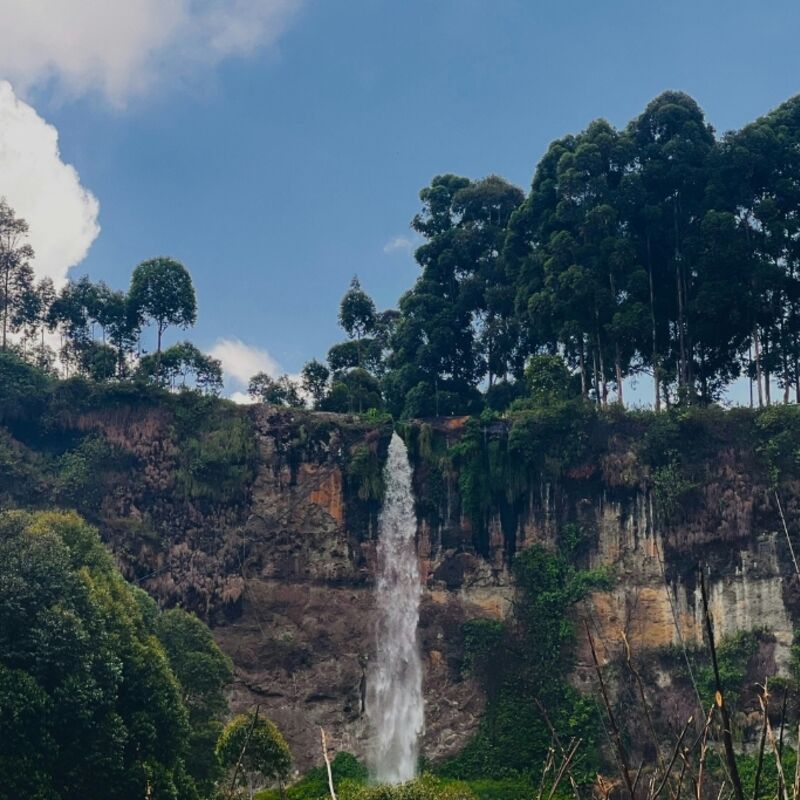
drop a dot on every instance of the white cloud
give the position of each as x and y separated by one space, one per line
42 189
242 398
241 361
398 243
121 48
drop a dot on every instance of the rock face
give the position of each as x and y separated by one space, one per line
284 571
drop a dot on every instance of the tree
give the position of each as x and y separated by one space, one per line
357 315
182 366
161 290
280 391
16 275
203 671
353 391
102 705
315 380
672 151
257 746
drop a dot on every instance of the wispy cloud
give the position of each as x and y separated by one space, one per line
122 48
42 189
241 361
399 243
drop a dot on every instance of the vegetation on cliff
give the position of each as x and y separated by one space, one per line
102 694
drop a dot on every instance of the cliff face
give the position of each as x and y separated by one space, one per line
281 563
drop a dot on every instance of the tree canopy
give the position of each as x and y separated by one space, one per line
97 688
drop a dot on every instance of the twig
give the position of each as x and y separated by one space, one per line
244 749
564 767
762 742
786 531
776 751
327 762
547 766
780 735
546 718
640 687
624 770
675 754
727 738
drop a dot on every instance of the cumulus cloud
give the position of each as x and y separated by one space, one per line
241 361
398 243
242 399
121 48
42 189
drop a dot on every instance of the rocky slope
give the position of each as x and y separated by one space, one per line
281 560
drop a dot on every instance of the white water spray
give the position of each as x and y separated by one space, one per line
394 699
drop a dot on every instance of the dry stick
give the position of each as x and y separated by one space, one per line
244 748
547 765
640 685
762 742
638 775
786 531
564 767
543 712
675 754
703 752
796 790
626 777
327 762
727 738
778 762
780 735
680 780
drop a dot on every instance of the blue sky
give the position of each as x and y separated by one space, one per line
277 171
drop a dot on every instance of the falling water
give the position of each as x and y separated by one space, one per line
394 700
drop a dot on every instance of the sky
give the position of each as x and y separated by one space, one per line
277 147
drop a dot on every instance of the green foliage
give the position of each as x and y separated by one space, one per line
530 661
778 429
99 711
426 787
161 290
550 439
672 489
265 750
217 450
23 388
747 764
345 767
482 640
548 380
734 654
280 391
203 671
364 472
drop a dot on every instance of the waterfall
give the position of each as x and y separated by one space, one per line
394 699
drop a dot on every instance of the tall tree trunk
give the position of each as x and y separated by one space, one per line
679 286
603 382
6 281
582 359
655 358
757 345
618 368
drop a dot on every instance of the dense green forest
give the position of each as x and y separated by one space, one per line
660 249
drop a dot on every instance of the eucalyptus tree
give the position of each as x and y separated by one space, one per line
760 180
455 325
672 147
16 273
161 290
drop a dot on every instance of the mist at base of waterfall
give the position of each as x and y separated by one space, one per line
394 683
